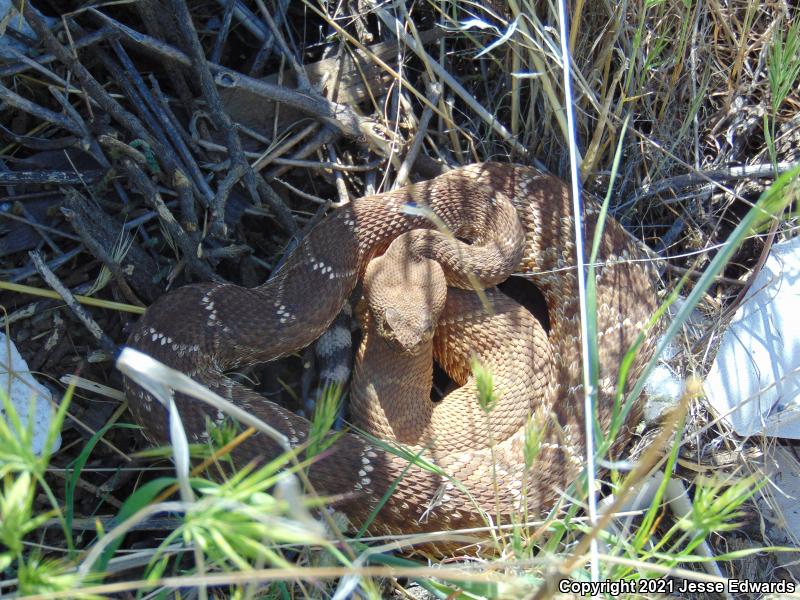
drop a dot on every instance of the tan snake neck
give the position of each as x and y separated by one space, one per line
205 329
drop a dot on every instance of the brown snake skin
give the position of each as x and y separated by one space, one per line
206 329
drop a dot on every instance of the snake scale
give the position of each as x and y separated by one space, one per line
502 218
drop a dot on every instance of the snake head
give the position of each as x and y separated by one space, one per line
409 330
405 294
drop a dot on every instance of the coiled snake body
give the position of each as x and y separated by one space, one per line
510 215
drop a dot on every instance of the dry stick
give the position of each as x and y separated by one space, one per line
327 165
124 74
248 20
224 29
93 147
434 93
90 84
39 68
302 79
121 148
180 131
267 40
25 105
37 143
170 135
37 226
330 94
326 135
84 230
162 28
103 99
442 73
241 168
53 230
53 281
98 36
153 198
14 276
137 91
343 118
44 177
681 182
277 205
287 144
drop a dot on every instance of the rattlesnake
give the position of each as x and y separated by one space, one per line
512 216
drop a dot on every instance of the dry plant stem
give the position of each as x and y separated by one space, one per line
682 182
232 251
248 20
14 276
302 79
188 248
447 78
53 281
91 85
643 466
278 207
25 105
39 68
83 228
224 30
37 226
433 95
36 143
119 147
51 177
324 136
267 157
241 169
343 118
54 231
161 126
179 139
322 165
100 35
161 28
186 140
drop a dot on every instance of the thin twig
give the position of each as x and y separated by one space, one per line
37 143
302 79
100 35
343 118
681 182
100 253
434 93
25 105
54 282
241 168
89 83
49 177
188 248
